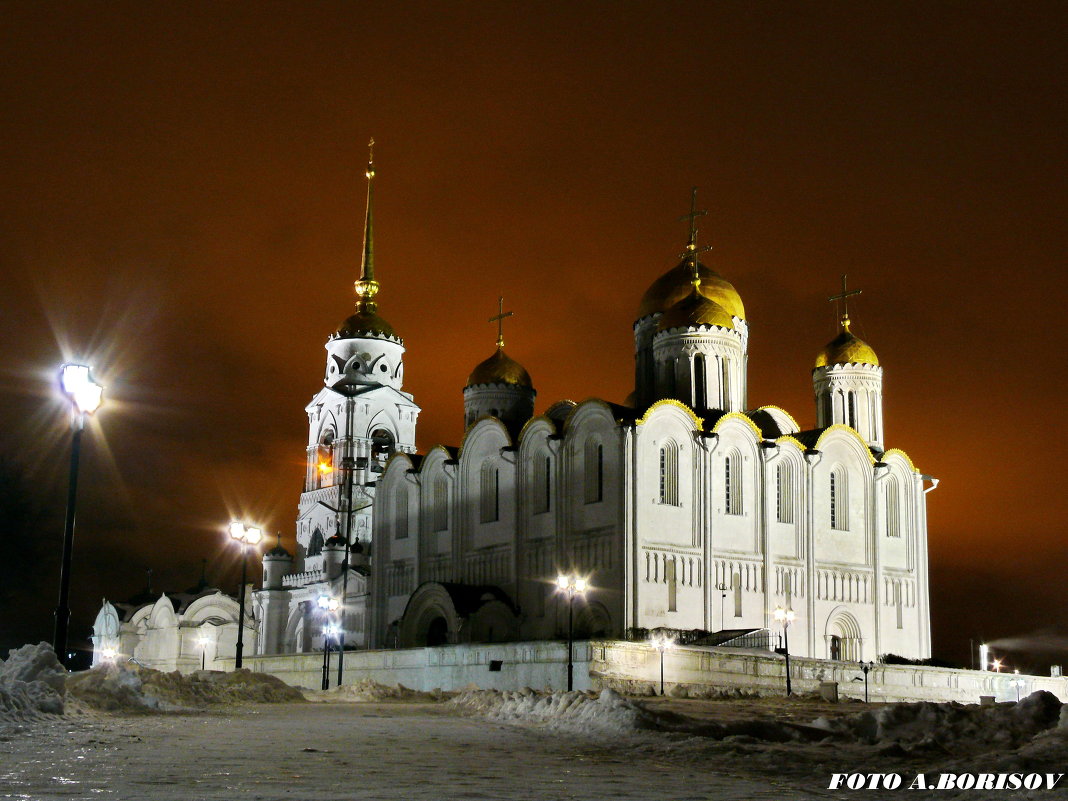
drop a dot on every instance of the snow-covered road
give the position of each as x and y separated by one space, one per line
344 751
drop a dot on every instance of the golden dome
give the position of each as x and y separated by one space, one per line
366 321
500 369
675 284
694 310
847 349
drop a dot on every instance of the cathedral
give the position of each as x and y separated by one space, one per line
681 508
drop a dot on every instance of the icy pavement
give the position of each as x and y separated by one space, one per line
345 751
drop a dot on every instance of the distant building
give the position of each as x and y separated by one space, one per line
179 631
683 507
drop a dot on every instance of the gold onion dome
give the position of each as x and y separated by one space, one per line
365 321
674 285
500 368
694 310
847 349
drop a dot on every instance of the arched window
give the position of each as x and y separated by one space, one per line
400 520
893 508
732 484
725 384
315 545
700 394
669 474
784 497
669 379
852 396
836 648
324 459
839 500
441 503
736 585
490 495
672 587
593 463
382 445
542 467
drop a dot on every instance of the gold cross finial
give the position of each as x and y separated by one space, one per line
499 319
371 158
692 250
844 296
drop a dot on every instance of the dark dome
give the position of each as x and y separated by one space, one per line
337 541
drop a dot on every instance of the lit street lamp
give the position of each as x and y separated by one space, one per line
1018 682
246 536
329 606
85 395
108 655
570 585
786 617
662 643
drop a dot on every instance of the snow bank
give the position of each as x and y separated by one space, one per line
31 684
603 713
950 725
369 690
118 688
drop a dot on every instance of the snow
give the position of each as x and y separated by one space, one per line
31 684
602 713
368 690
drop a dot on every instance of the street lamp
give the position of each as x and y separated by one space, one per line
1019 683
245 536
570 585
866 667
203 641
108 655
329 606
662 642
786 617
996 664
85 396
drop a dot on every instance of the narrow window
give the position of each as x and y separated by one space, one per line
700 397
542 485
852 410
788 580
736 585
839 501
669 474
784 501
893 509
400 522
732 484
726 385
900 610
594 469
490 495
671 585
441 504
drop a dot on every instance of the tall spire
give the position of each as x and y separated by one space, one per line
367 287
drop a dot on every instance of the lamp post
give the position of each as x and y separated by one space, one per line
329 606
1019 683
245 536
996 664
786 617
108 655
85 395
203 641
866 667
662 642
570 585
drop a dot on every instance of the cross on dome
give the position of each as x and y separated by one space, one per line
499 319
844 296
692 250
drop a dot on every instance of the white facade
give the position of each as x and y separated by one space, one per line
681 508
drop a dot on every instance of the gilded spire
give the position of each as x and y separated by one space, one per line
692 250
367 287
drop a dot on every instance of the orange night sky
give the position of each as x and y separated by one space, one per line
182 205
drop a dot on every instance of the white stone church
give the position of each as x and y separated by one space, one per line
682 507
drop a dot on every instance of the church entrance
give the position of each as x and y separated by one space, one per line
437 633
836 648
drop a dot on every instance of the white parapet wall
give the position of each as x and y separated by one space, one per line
635 667
498 666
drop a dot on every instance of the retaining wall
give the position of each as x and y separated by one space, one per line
635 667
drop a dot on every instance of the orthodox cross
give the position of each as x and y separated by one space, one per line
692 251
499 320
844 296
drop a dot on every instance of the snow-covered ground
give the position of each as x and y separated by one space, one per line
146 735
